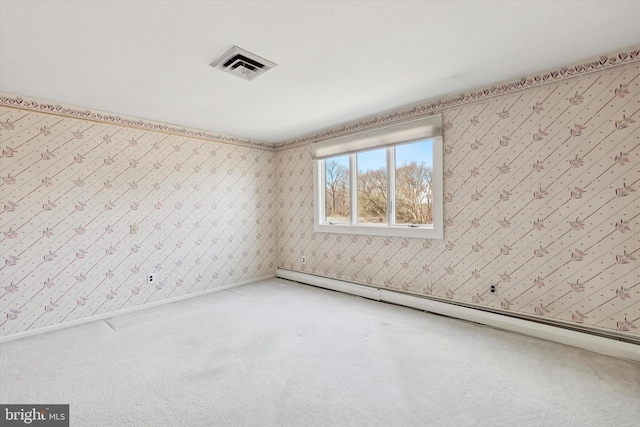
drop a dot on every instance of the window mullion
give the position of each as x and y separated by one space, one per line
391 186
353 187
322 197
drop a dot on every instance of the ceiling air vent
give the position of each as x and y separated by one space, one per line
243 64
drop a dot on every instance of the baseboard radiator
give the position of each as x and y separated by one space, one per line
593 340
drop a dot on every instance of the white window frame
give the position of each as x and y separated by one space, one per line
389 137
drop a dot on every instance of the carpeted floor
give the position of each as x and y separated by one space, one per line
277 353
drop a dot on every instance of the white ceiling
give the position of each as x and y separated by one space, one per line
337 61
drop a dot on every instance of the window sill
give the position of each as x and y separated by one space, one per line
422 232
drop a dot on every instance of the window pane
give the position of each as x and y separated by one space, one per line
372 186
336 181
414 195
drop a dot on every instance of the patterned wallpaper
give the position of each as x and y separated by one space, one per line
541 180
542 200
70 189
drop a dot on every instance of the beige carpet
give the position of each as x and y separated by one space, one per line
278 353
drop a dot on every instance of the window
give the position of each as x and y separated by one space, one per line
385 182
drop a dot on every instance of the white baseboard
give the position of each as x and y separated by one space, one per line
586 341
111 314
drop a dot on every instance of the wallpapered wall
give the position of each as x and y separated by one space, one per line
70 189
541 198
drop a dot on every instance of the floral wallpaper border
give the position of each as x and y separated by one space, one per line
621 58
603 62
11 100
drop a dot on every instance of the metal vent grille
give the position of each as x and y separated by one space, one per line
242 64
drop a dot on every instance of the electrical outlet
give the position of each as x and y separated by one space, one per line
133 229
151 278
304 259
493 289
